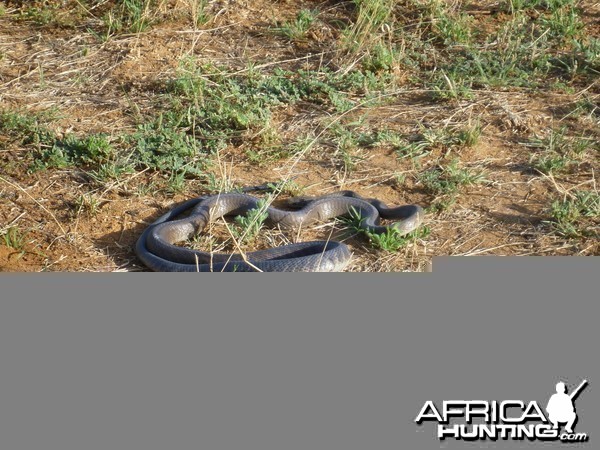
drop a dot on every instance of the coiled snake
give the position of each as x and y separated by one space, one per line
156 249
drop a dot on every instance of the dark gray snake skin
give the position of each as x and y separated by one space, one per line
156 249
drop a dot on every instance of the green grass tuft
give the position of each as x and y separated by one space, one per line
576 216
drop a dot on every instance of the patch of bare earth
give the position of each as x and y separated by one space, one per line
101 86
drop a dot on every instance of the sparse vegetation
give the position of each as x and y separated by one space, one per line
577 215
249 225
14 238
87 204
199 12
368 26
446 182
297 28
391 241
559 152
112 109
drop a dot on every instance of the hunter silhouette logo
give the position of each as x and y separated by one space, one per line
560 406
508 419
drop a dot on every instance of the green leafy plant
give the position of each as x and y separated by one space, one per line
574 216
248 226
14 238
558 152
445 183
297 29
391 241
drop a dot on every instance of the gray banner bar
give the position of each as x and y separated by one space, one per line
290 361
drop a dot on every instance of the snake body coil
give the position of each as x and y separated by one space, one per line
157 251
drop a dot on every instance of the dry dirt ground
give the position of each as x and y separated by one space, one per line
66 222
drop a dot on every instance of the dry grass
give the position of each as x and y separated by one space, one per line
113 113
